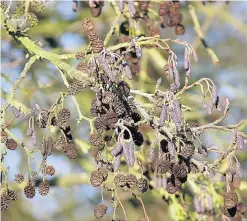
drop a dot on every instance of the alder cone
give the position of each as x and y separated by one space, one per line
44 188
92 36
87 24
12 195
50 170
96 178
100 210
131 180
120 180
29 191
104 173
97 45
164 167
230 200
142 185
11 144
95 140
179 171
19 178
72 151
82 66
5 202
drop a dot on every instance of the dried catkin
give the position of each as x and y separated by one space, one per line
151 153
120 5
214 94
163 115
117 149
132 9
117 162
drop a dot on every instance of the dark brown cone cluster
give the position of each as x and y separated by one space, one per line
29 191
230 204
88 25
170 11
100 210
50 170
98 177
19 178
110 106
11 144
129 180
142 185
5 202
44 188
76 86
6 199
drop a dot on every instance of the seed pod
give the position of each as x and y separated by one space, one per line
5 202
96 178
11 144
96 140
100 210
97 45
100 124
173 185
72 151
87 24
19 178
142 185
12 195
29 191
164 167
44 188
61 143
117 162
124 88
179 29
179 171
63 115
163 115
131 180
120 180
117 149
82 66
104 173
230 200
76 87
50 170
188 150
79 55
96 11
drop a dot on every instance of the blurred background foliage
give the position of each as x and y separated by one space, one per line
59 30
